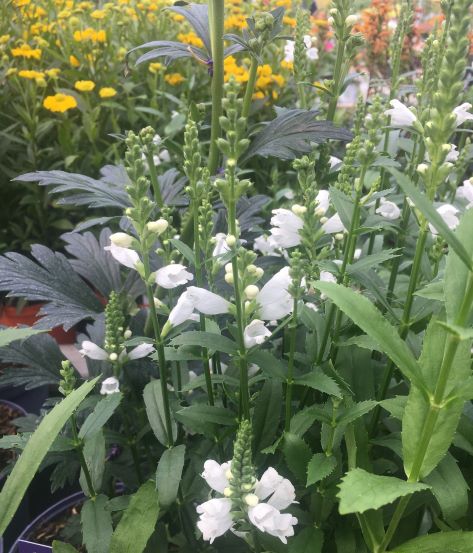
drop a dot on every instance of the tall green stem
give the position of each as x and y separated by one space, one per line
290 366
79 445
250 87
338 76
216 26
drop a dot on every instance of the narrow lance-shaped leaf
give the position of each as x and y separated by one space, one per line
35 451
96 525
444 542
168 474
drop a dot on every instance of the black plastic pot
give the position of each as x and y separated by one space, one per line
23 545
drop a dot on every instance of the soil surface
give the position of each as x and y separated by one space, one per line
7 416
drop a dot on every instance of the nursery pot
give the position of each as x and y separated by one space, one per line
21 515
25 545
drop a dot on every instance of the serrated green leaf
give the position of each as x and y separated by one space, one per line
317 380
97 526
100 415
459 332
267 414
268 363
9 335
168 474
365 315
94 454
309 540
138 521
304 419
319 467
200 414
350 414
200 382
372 260
361 491
433 291
297 455
444 542
153 398
424 205
209 340
35 451
61 547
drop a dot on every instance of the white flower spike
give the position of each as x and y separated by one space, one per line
274 300
286 227
401 115
215 518
172 276
255 333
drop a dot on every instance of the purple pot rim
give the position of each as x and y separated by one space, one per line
48 514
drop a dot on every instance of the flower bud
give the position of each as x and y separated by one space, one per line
298 209
228 474
351 20
113 357
422 168
127 334
320 212
323 220
446 148
229 278
228 268
331 21
259 272
227 492
251 291
121 239
230 240
252 269
251 500
158 226
157 303
339 236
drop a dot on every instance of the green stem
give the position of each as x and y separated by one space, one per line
79 445
337 78
216 26
290 366
154 180
250 87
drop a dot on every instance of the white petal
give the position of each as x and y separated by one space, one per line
255 333
182 311
207 302
143 350
401 115
215 518
221 245
125 256
215 475
462 113
172 276
93 351
273 299
268 519
109 386
333 225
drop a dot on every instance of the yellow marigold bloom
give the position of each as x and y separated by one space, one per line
4 39
60 103
84 86
53 72
74 61
90 34
190 38
64 14
285 3
174 79
289 21
231 68
107 92
287 65
279 80
21 3
98 14
178 17
101 36
25 51
235 22
155 67
121 53
30 74
258 95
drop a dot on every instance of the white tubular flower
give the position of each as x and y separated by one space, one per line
274 300
448 213
312 53
93 351
462 113
255 333
216 475
286 226
207 302
307 41
334 161
215 518
289 51
323 201
280 489
334 225
143 350
121 239
109 386
266 245
466 192
125 256
182 311
327 276
172 276
221 245
268 519
388 210
453 154
401 115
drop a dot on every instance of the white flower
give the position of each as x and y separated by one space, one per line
448 213
172 276
93 351
334 161
289 51
333 225
266 245
215 518
274 299
255 333
453 154
109 386
323 201
158 227
221 245
307 41
125 256
286 226
216 475
466 192
326 276
388 210
121 239
462 113
401 115
143 350
280 491
182 311
207 302
268 519
312 53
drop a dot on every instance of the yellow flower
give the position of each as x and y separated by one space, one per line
25 51
190 38
174 79
235 22
21 3
98 14
107 92
155 67
84 86
60 103
4 39
289 21
90 34
74 61
178 17
232 68
53 72
287 65
258 95
31 74
11 71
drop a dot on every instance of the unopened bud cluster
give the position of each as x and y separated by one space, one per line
114 327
